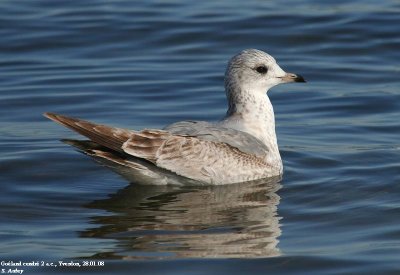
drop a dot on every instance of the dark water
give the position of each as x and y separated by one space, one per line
132 64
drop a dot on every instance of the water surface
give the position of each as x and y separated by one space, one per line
136 65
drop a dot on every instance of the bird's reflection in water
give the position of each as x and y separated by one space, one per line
230 221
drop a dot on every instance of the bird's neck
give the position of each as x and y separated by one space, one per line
252 112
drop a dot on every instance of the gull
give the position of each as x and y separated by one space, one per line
241 147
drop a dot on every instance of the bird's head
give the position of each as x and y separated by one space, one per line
255 70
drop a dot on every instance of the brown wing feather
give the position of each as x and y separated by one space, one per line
145 144
109 137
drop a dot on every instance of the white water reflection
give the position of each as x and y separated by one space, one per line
231 221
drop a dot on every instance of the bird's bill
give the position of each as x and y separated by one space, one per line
289 77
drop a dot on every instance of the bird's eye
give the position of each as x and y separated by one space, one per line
262 69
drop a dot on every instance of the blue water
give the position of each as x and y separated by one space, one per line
146 64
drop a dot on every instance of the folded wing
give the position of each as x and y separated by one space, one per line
195 150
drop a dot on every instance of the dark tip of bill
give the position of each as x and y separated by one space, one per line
299 78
